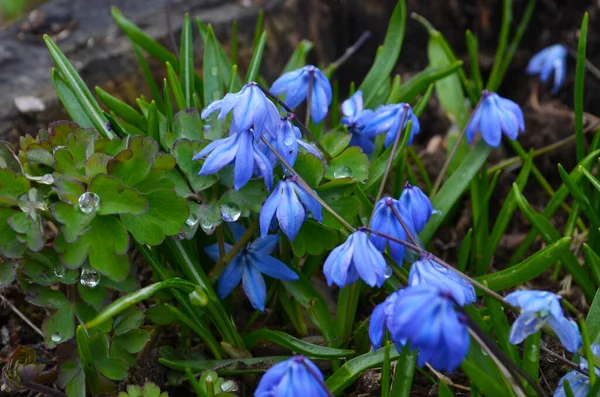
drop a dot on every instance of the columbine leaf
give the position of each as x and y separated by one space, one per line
8 158
133 164
130 319
187 124
74 221
314 238
8 272
112 368
71 159
116 198
29 230
335 142
184 150
12 186
352 163
249 198
10 246
310 168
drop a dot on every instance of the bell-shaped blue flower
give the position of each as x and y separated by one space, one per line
550 60
428 271
295 377
251 109
295 85
287 146
356 258
579 383
426 317
355 119
496 116
416 206
385 221
248 266
387 118
241 149
288 203
539 308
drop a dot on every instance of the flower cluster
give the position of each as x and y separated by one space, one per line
295 377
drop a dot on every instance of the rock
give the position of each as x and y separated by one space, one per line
29 104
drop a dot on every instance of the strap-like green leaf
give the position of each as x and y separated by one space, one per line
294 344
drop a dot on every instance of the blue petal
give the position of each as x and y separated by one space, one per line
384 118
473 126
369 262
528 323
290 214
221 156
265 245
567 332
213 251
243 111
264 166
231 276
280 86
337 265
273 267
269 208
491 129
377 325
272 378
244 160
579 383
321 97
309 201
254 287
353 105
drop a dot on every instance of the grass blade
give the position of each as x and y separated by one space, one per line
69 101
257 54
495 79
187 72
579 87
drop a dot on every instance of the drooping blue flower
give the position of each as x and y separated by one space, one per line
387 118
295 85
356 258
287 146
240 148
550 60
288 203
295 377
496 116
248 265
579 383
385 221
251 109
356 118
428 271
539 308
425 317
417 207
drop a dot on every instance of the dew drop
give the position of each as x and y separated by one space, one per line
180 236
207 226
89 278
192 220
388 272
288 140
230 212
57 148
88 202
58 271
47 179
209 379
342 172
214 71
56 337
228 386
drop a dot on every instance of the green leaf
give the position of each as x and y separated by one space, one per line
80 91
314 238
8 272
306 294
593 261
386 58
249 198
8 158
593 319
352 163
225 65
75 221
12 187
175 85
347 207
72 379
148 76
67 98
580 197
184 150
335 142
115 198
488 385
72 159
418 84
454 187
132 341
112 368
298 58
257 53
310 168
187 72
187 124
10 246
122 110
213 81
495 78
96 297
351 370
405 372
104 244
529 269
29 230
294 344
231 366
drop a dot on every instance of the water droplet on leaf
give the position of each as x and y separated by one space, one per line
192 220
230 212
207 226
198 297
209 379
88 202
58 271
89 278
228 386
57 148
342 172
56 337
388 272
47 179
214 71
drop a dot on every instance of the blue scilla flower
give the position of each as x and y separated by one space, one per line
251 109
580 383
550 60
416 207
356 118
385 221
288 203
426 317
496 116
428 271
387 118
295 85
240 148
295 377
248 266
539 308
356 258
287 143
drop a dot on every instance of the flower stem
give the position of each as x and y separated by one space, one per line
440 177
224 259
388 166
307 187
348 53
412 239
298 123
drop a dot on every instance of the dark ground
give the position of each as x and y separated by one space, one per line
334 25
